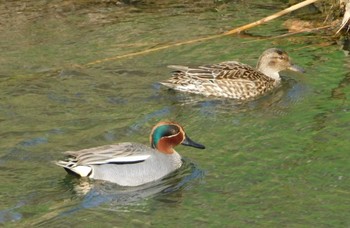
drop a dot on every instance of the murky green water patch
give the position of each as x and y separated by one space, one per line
279 161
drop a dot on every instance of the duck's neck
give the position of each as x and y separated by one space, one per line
164 147
268 71
271 73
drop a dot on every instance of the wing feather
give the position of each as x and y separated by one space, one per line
226 70
118 153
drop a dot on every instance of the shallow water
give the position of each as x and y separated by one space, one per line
281 160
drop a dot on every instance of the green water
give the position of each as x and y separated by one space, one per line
280 161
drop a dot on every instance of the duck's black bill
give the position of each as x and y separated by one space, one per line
188 142
296 68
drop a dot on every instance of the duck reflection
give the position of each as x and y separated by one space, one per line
97 192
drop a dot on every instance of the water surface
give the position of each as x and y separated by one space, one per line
282 160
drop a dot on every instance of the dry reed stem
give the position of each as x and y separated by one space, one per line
346 17
271 17
292 33
233 31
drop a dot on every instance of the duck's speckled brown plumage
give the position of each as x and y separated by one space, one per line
232 79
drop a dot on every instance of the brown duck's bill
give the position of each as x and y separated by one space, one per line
296 68
188 142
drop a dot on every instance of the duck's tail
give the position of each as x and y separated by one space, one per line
71 167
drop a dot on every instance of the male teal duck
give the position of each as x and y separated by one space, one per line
132 164
232 79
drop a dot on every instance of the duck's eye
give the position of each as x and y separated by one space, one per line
281 57
173 131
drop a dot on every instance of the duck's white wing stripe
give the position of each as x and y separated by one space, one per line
128 158
84 171
121 159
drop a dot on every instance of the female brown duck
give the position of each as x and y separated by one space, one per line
232 79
